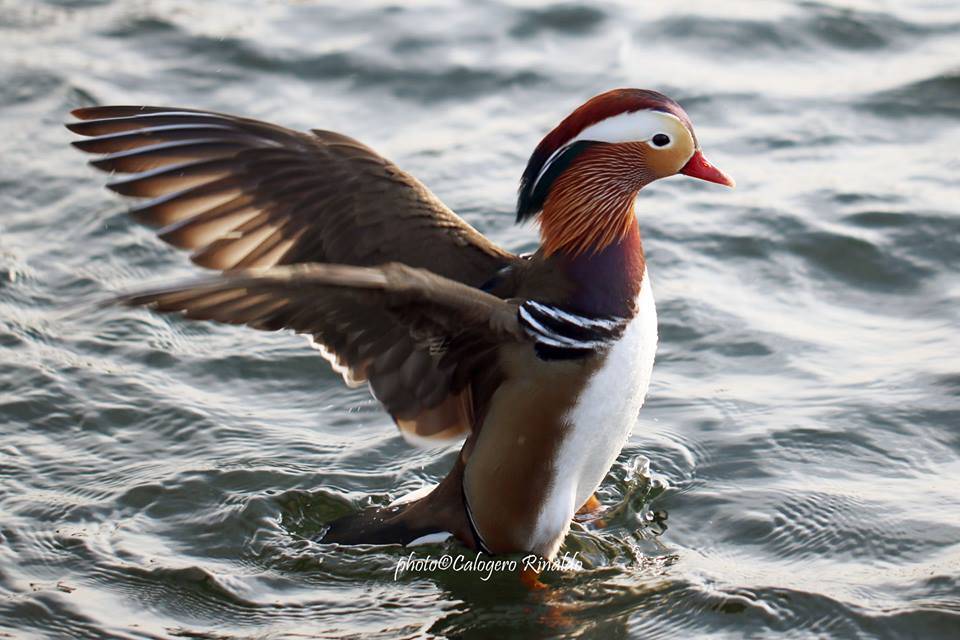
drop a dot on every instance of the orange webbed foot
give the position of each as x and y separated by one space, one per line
592 504
590 512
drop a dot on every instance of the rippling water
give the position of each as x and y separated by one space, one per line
795 472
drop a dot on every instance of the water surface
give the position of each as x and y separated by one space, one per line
160 478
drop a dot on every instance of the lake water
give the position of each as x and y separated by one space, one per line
795 473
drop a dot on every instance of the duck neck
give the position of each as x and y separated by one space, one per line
586 219
588 225
607 280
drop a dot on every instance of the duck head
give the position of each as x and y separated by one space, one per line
584 175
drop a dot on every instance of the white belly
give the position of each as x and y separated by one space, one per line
600 423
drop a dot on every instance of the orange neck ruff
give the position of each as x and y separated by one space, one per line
590 206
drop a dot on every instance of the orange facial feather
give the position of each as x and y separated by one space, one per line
590 206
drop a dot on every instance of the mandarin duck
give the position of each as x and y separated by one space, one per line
540 363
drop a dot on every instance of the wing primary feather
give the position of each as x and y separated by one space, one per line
163 180
158 155
127 140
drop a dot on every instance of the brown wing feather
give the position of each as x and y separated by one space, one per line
412 333
226 186
244 194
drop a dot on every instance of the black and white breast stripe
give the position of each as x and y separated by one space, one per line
560 334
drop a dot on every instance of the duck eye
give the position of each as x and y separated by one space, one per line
661 140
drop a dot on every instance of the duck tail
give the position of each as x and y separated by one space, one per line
375 525
440 511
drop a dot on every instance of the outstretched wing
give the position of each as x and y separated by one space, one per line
244 194
452 326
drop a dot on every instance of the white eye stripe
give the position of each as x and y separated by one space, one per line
628 127
635 126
